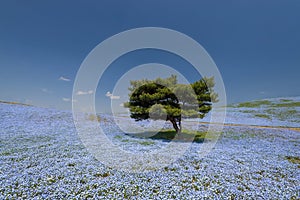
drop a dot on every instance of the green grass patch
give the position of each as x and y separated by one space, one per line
6 153
284 114
13 151
146 143
118 137
291 112
284 103
92 117
263 116
253 104
287 105
247 111
285 100
293 159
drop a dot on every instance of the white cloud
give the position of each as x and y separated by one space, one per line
108 94
111 96
84 93
46 90
64 79
66 99
114 97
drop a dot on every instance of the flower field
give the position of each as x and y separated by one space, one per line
42 157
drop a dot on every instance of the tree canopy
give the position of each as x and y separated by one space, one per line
168 100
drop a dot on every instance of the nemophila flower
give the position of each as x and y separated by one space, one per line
42 156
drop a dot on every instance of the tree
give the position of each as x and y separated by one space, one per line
166 99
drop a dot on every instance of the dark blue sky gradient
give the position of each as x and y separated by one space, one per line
255 44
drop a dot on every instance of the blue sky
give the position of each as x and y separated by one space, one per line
255 44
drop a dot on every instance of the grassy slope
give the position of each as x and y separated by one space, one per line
282 109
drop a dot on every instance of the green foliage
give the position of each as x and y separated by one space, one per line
158 111
166 99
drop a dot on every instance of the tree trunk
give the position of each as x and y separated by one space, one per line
179 123
173 121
